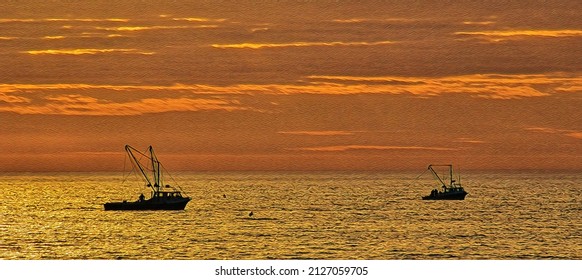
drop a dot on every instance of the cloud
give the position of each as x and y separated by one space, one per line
155 27
501 78
260 29
565 132
80 105
492 86
195 19
318 133
383 20
13 99
478 22
87 35
468 140
577 135
354 20
86 51
345 148
24 20
54 37
247 89
570 87
298 44
502 35
545 130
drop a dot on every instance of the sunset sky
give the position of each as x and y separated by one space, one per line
291 84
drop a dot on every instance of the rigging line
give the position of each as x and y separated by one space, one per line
135 175
174 180
138 180
421 174
137 163
126 173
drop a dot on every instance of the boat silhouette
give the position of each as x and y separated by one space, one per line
452 191
163 197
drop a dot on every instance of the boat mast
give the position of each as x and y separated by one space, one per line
155 169
136 163
451 174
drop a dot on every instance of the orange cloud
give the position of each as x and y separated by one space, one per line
10 20
478 22
493 86
53 37
570 88
88 106
545 129
577 135
352 20
468 140
13 99
318 133
498 78
72 99
502 35
298 44
384 20
155 27
481 86
80 35
258 29
565 132
86 51
365 147
194 19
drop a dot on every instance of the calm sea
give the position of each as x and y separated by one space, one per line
296 216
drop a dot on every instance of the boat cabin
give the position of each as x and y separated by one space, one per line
167 194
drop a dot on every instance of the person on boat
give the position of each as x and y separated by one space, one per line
141 197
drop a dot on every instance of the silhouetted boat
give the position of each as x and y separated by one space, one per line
162 197
452 191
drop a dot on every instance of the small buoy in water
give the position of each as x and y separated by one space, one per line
251 214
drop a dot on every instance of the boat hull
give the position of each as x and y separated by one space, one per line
174 204
446 196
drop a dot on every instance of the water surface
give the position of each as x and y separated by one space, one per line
295 216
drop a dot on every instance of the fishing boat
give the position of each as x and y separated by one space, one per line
452 191
163 197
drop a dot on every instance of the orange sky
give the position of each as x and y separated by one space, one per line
291 85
